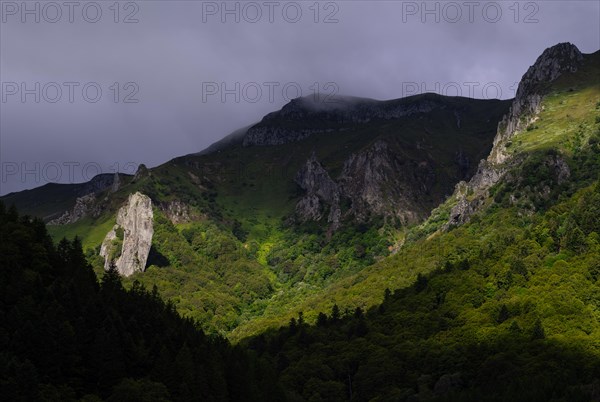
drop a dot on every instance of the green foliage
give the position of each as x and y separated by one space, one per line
503 314
142 390
421 283
538 330
507 318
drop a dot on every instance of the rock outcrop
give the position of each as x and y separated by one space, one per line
373 182
554 62
177 212
84 206
134 223
100 183
142 171
87 203
378 182
321 193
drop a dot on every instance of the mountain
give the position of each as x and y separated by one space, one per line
317 173
495 296
424 248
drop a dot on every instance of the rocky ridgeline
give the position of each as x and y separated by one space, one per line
128 243
332 115
85 204
554 62
100 183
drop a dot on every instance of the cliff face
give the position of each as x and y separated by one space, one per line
373 182
84 206
128 243
321 193
177 212
380 182
554 62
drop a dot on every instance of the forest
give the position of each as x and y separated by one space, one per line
65 336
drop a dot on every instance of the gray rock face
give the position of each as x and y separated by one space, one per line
135 220
177 212
87 204
321 192
560 167
465 206
553 62
373 182
486 176
309 208
108 245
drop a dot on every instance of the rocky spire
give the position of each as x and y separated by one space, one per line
128 243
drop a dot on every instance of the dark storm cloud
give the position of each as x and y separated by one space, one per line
176 56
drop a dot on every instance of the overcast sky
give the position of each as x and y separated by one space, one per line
175 76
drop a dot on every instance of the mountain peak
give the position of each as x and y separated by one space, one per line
553 62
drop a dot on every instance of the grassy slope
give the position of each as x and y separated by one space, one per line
567 112
90 231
